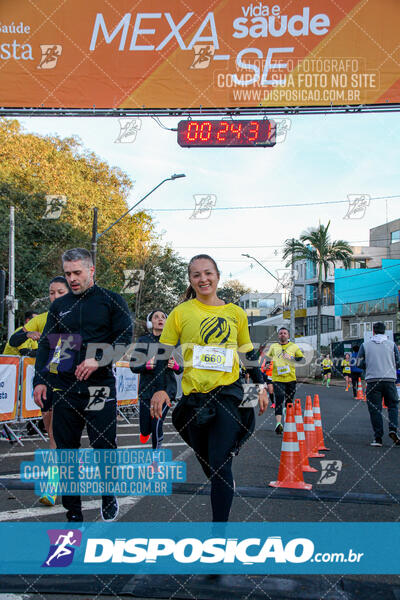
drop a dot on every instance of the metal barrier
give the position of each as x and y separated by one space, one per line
16 393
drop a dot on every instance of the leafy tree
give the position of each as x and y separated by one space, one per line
163 286
315 245
33 166
232 290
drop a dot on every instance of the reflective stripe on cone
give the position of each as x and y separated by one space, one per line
305 465
318 424
309 430
290 473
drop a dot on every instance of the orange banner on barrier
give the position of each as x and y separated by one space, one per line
29 409
224 53
9 383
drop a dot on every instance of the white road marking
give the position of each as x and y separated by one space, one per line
143 447
125 503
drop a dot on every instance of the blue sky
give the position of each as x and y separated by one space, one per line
323 159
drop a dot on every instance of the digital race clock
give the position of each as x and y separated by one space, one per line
227 133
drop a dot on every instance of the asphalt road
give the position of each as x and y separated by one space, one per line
366 488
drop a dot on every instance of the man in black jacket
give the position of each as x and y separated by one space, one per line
87 318
148 379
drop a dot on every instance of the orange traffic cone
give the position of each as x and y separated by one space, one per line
290 474
302 439
360 394
318 424
309 430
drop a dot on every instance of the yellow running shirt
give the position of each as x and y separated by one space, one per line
37 323
210 337
346 367
28 344
327 363
284 370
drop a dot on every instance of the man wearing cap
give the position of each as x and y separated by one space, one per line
380 357
284 355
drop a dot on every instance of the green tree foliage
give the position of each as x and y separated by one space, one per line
163 286
33 166
232 290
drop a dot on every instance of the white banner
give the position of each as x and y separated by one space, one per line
126 383
8 375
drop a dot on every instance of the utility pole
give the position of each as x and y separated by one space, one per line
292 300
94 236
12 303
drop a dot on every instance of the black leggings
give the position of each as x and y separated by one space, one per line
213 444
69 419
149 425
284 393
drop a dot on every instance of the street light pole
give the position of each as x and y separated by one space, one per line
261 265
96 236
292 313
12 303
292 300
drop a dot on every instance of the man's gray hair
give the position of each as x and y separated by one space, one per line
78 254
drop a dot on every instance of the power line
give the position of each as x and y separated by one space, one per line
215 208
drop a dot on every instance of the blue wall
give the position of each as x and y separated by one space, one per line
357 285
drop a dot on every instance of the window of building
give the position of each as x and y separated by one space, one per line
368 326
247 303
310 270
311 327
395 236
254 304
389 325
354 330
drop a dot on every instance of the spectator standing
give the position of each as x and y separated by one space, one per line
381 359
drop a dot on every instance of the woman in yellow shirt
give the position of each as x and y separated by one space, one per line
33 330
212 416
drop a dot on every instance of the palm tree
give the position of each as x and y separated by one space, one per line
315 245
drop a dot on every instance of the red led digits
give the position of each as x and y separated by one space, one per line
192 131
205 131
253 131
227 133
236 129
221 137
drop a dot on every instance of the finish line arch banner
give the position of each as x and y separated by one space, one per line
225 53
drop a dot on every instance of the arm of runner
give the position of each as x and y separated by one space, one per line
84 370
39 394
360 360
43 351
263 401
18 337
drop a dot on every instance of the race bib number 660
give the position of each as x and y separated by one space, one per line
213 358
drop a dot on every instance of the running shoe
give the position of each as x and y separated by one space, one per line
377 442
396 440
279 429
144 438
109 508
48 499
273 405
